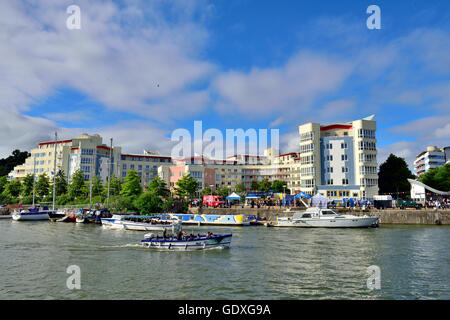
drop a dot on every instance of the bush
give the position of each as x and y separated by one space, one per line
148 202
27 200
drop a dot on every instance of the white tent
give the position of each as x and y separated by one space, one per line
319 201
234 196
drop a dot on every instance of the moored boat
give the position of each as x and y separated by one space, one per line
325 218
199 242
211 219
93 216
5 216
31 215
141 223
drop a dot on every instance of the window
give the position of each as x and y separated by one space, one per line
344 157
329 157
330 169
131 166
140 167
345 181
330 181
328 146
124 174
344 169
344 145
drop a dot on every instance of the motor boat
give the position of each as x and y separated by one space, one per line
32 214
93 216
314 217
199 242
141 223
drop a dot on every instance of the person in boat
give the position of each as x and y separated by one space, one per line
164 233
180 234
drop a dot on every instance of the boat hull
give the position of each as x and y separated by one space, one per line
358 222
5 216
139 226
211 219
30 217
202 243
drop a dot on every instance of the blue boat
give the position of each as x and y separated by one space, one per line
199 242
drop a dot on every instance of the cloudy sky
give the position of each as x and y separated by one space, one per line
137 70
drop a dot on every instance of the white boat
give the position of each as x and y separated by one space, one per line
31 215
325 218
141 223
5 216
199 242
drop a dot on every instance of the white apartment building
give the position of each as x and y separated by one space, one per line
339 160
432 158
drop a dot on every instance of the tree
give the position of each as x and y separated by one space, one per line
223 192
254 186
42 185
159 186
77 187
97 186
27 185
186 187
393 175
207 191
60 184
264 185
8 164
438 178
3 183
240 187
115 186
149 202
12 188
131 185
279 186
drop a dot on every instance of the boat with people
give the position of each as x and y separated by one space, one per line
315 217
92 216
211 219
141 223
32 214
187 242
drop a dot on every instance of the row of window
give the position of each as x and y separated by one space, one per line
368 170
307 147
331 182
364 157
87 152
365 182
307 136
364 145
340 193
308 171
308 183
363 133
307 159
145 159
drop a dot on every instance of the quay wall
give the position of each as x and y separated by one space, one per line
387 216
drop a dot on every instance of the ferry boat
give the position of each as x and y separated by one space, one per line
211 219
199 242
325 218
141 223
32 214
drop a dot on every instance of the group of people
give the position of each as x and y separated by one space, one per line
182 235
439 203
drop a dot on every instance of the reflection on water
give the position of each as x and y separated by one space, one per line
263 263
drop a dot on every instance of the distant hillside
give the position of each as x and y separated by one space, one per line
7 164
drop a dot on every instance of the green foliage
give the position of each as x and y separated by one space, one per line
27 199
186 187
8 164
279 186
240 187
159 186
438 178
132 185
77 187
12 188
149 202
3 183
126 203
254 186
62 199
27 185
60 183
393 175
115 186
264 185
223 192
97 186
207 191
42 186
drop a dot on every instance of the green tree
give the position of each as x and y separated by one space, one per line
97 186
3 183
77 186
132 185
159 186
186 187
207 191
149 202
393 176
438 178
115 186
223 192
254 186
60 183
279 186
12 188
8 164
42 186
240 187
27 185
264 185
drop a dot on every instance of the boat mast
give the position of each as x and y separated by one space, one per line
109 171
34 177
54 171
90 186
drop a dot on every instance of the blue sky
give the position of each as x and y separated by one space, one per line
137 70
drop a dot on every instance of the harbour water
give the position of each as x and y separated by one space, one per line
263 263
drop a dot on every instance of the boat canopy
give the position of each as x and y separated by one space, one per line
319 201
252 196
302 195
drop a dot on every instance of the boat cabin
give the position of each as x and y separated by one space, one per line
313 212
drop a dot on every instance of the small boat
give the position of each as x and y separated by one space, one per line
199 242
5 216
325 218
210 219
32 214
68 218
94 216
56 215
141 223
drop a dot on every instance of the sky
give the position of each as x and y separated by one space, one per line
138 70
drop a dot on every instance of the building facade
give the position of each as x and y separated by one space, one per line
432 158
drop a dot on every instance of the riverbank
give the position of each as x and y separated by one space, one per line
388 216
